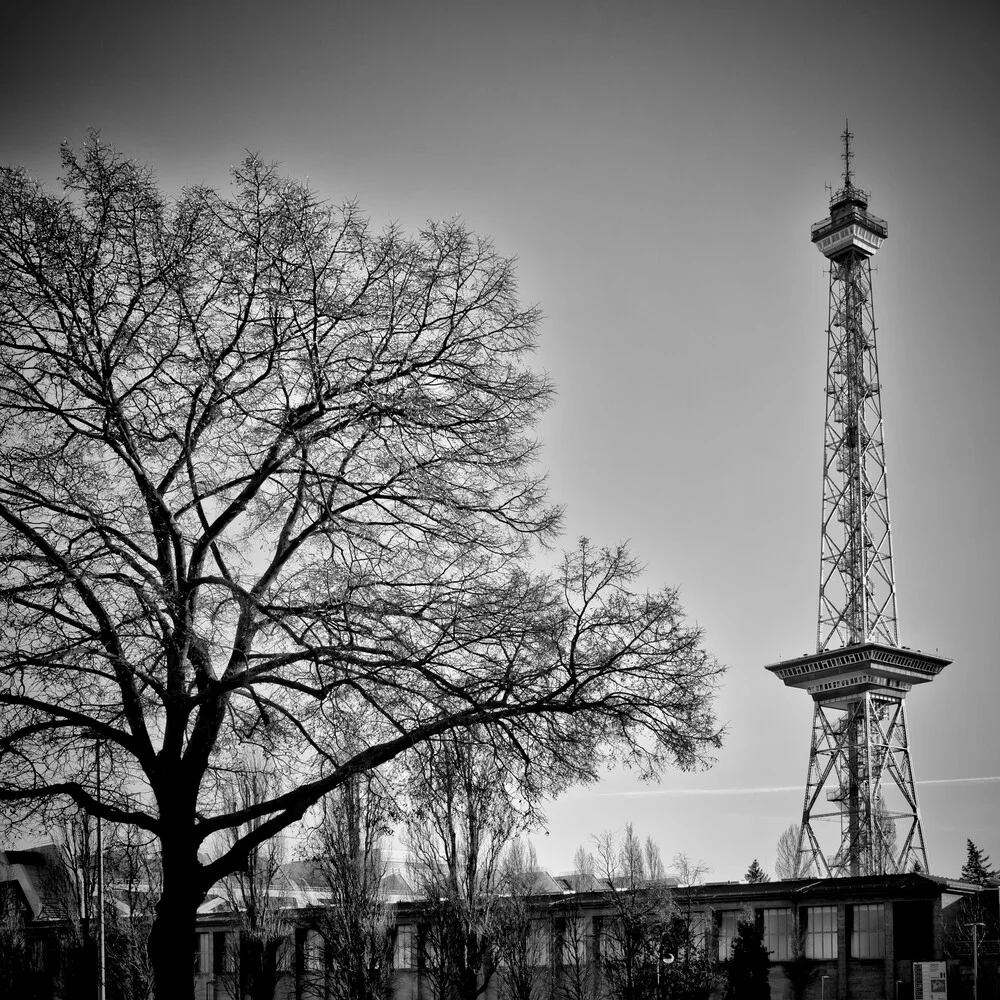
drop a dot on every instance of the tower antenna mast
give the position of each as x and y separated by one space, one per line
860 777
847 135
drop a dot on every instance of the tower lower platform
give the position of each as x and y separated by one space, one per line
860 778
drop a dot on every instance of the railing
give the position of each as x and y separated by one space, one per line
865 218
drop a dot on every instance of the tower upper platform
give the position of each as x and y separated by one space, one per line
850 226
835 677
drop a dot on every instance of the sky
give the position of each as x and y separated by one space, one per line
655 168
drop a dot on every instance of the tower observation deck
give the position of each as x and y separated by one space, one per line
860 779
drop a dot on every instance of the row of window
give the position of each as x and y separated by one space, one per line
816 924
406 948
818 927
214 952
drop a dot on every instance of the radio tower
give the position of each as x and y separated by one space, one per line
860 779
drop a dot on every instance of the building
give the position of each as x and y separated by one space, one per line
850 938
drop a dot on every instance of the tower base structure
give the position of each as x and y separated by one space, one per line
860 779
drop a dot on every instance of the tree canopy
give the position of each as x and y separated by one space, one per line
977 867
788 863
268 478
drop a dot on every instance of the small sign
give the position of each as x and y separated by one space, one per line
930 981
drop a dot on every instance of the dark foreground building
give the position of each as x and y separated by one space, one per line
828 939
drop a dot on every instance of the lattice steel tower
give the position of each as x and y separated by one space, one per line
860 779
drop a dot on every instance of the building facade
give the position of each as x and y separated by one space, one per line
828 939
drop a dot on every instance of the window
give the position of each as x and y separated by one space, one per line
432 937
222 952
540 942
868 931
609 943
286 954
202 953
821 932
778 925
576 941
404 953
701 931
313 949
727 933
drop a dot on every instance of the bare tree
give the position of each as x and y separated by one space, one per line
18 975
577 979
689 871
641 910
885 839
72 889
348 851
788 863
132 888
695 974
261 920
267 476
74 901
522 936
463 819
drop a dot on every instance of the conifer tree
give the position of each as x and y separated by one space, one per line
750 964
977 865
755 873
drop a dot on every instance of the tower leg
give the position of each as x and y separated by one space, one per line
860 778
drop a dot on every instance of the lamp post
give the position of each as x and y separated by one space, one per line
661 960
100 883
975 925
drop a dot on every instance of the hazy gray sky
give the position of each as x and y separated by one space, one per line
655 167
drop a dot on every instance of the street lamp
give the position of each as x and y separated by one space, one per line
101 957
975 925
662 960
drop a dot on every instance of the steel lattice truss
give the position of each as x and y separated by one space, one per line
859 761
857 592
860 777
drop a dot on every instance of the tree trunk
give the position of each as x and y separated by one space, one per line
171 938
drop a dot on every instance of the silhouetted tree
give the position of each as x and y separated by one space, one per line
977 866
755 873
749 966
688 870
132 889
521 935
800 970
349 853
577 979
19 978
262 923
463 818
640 909
268 477
977 916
